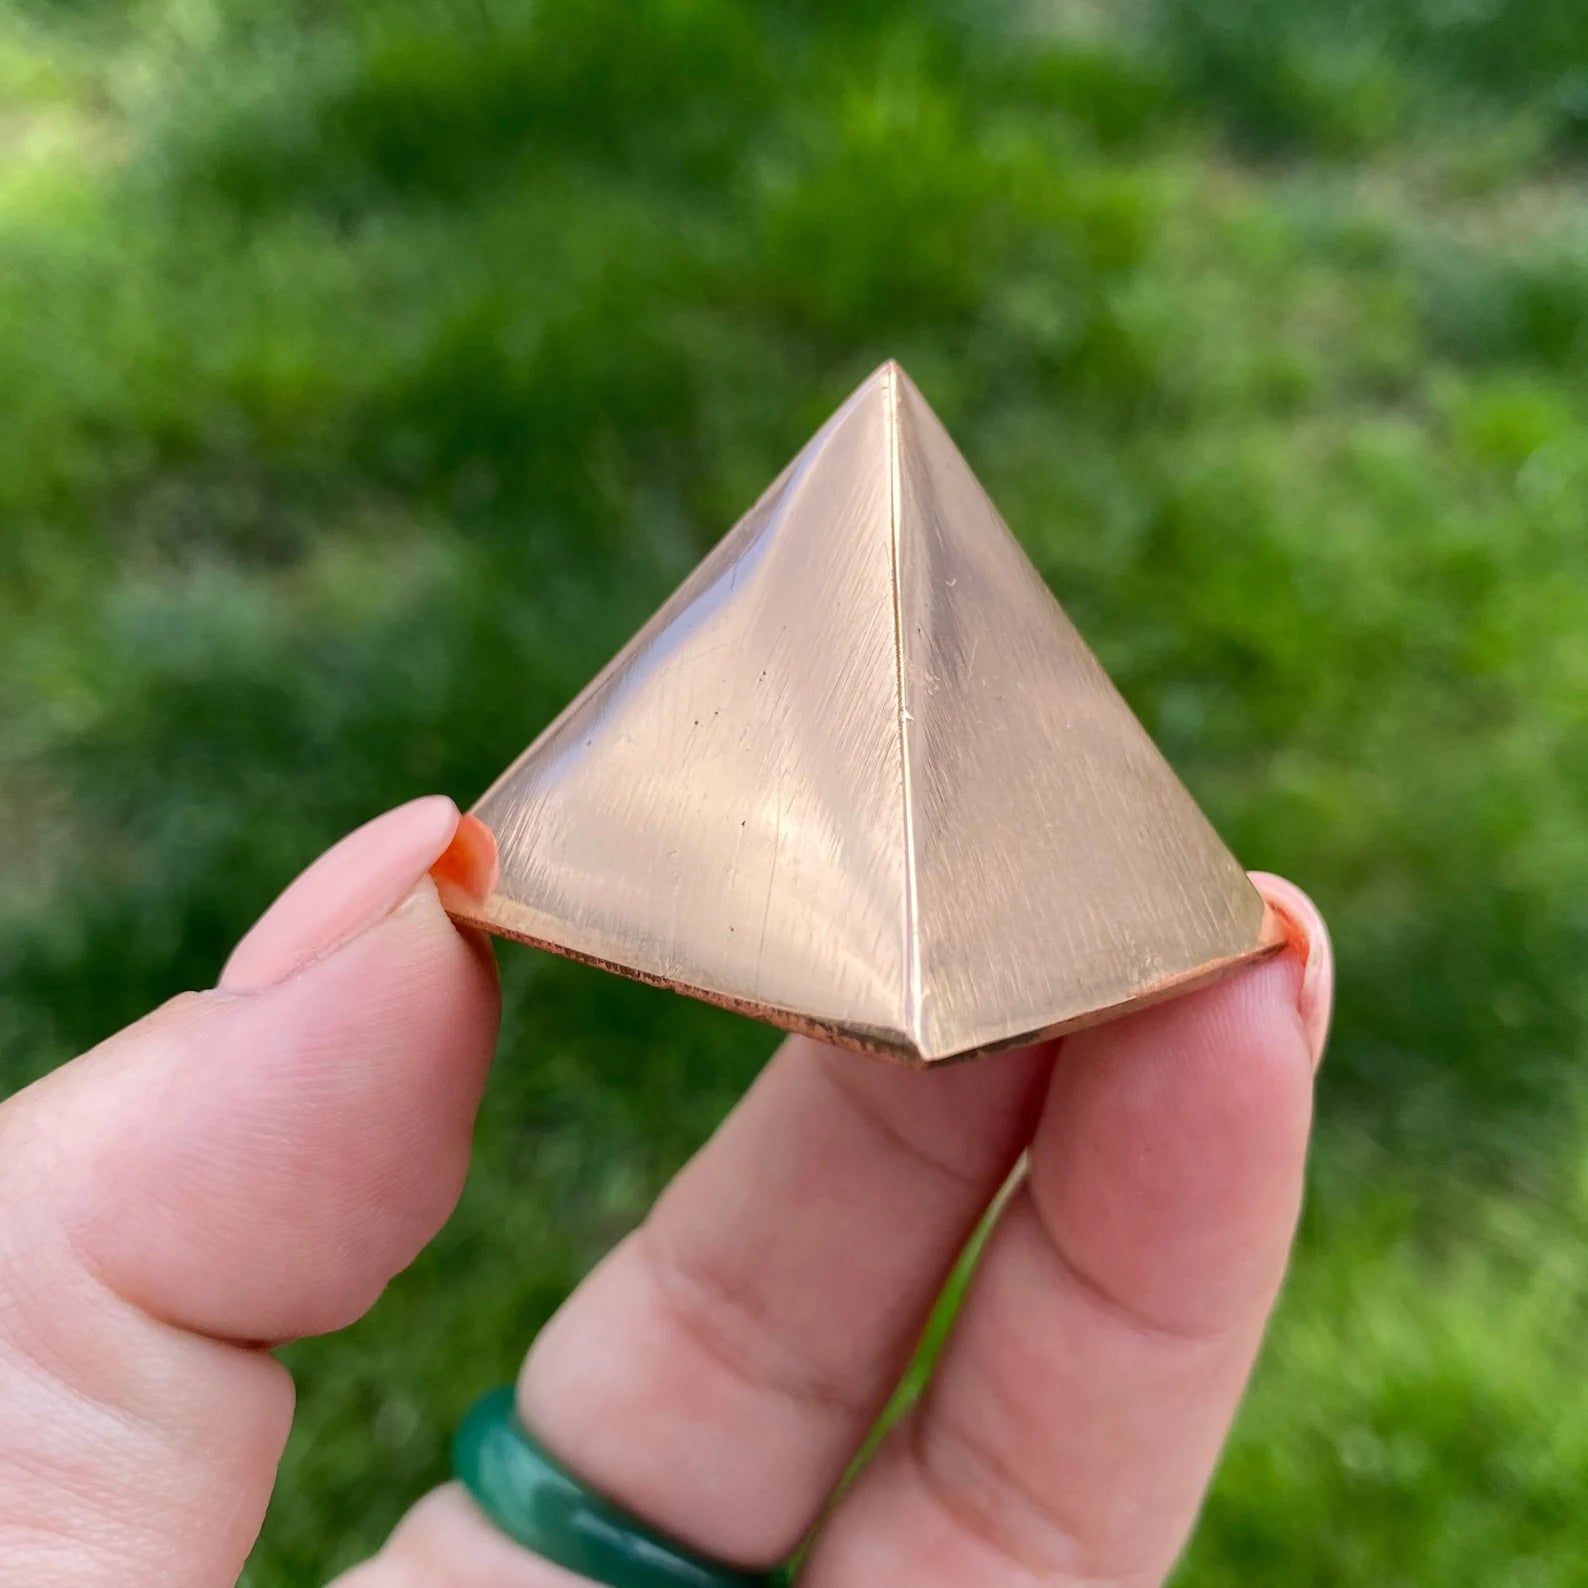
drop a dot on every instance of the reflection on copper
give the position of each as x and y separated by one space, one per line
862 778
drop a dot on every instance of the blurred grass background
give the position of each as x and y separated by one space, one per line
368 374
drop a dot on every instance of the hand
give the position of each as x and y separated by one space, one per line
254 1163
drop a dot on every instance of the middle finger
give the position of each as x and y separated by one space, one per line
717 1373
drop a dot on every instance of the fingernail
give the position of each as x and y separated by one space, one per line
468 869
1308 937
348 889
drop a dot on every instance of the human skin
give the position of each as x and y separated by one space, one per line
254 1163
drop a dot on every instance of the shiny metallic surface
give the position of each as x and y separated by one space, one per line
861 777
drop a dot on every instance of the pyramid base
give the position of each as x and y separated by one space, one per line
895 1046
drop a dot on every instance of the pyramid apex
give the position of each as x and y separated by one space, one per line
888 382
890 374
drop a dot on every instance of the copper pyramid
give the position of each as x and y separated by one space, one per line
862 778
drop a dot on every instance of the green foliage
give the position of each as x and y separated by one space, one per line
1340 78
370 373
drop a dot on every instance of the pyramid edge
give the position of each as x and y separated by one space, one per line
898 1046
897 384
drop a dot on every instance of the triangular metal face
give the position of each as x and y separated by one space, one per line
861 777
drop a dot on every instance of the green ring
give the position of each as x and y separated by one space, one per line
545 1508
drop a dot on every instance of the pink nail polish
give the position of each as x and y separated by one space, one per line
1309 937
350 887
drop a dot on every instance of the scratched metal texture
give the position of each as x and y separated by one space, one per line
861 777
1061 868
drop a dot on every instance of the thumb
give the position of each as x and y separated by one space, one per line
243 1166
